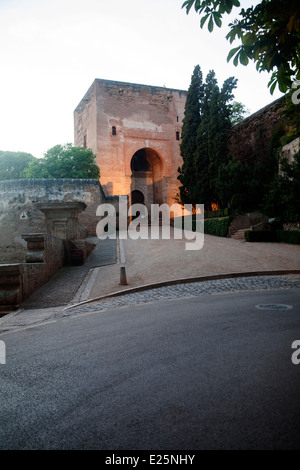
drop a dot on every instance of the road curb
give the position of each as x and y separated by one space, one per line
211 277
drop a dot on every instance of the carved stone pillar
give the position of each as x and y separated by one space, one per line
62 218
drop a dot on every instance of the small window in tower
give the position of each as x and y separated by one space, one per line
177 118
85 141
177 135
114 130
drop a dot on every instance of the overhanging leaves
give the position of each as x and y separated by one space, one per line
269 34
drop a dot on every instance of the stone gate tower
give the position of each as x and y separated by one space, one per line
135 132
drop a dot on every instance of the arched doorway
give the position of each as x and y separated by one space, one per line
137 197
147 169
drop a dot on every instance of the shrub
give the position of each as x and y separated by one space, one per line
286 236
260 236
218 227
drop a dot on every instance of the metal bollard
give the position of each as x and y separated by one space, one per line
123 280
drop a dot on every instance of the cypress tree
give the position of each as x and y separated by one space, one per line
212 136
205 132
188 144
205 135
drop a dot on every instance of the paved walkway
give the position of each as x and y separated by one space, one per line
151 262
67 284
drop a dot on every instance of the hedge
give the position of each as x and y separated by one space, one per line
286 236
218 227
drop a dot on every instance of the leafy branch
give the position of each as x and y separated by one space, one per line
269 35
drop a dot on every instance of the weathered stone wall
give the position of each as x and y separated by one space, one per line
289 150
45 256
19 214
35 274
250 139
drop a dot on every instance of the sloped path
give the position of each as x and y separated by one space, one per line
64 285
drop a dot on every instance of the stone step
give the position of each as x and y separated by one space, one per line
238 234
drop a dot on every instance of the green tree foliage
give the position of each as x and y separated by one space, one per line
243 186
64 161
269 34
188 144
291 117
230 181
13 164
240 186
282 199
281 194
212 136
238 112
204 137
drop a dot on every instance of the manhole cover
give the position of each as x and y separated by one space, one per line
274 306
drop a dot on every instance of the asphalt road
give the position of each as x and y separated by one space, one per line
209 372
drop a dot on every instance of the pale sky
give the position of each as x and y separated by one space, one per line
52 50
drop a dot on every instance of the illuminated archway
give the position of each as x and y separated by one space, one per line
147 169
